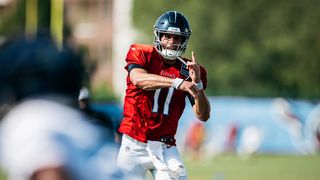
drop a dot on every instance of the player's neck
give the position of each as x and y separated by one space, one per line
169 62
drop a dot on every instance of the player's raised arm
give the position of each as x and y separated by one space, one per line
194 70
201 105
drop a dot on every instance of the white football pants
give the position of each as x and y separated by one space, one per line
134 159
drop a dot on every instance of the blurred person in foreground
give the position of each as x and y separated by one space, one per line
95 116
158 82
44 135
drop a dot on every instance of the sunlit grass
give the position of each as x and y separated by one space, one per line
2 177
262 167
255 168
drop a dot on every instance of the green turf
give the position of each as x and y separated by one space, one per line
255 168
2 177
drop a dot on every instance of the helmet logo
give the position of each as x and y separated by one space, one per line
174 29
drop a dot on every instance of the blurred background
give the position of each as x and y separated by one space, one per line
263 62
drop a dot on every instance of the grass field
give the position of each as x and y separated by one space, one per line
266 167
254 168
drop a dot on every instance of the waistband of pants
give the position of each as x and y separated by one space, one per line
137 142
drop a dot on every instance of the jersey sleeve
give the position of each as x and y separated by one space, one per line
135 56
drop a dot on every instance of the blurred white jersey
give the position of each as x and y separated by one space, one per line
41 133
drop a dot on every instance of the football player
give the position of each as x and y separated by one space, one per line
43 135
158 82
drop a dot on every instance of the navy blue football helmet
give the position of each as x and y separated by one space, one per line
172 22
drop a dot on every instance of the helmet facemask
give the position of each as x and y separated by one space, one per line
170 53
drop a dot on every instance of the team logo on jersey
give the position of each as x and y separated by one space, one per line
184 71
167 74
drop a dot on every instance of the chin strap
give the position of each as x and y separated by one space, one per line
181 60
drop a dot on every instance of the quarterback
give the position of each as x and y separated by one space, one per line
158 82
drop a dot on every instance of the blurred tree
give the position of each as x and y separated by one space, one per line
33 15
250 48
16 16
12 18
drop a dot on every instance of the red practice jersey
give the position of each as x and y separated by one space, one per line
151 115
